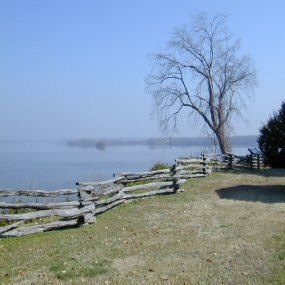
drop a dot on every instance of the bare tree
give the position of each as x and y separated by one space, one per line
203 73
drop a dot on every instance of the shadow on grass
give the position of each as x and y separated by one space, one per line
250 193
266 172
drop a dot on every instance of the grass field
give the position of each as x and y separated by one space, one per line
228 228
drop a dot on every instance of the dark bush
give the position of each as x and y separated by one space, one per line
272 139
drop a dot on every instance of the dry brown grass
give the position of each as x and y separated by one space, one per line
228 228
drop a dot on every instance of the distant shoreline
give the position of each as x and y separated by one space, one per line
101 144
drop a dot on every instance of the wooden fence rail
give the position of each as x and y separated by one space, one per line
254 160
90 199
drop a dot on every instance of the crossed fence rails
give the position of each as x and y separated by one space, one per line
25 212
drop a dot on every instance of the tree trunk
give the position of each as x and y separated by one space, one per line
223 140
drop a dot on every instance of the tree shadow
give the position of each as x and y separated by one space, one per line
250 193
266 172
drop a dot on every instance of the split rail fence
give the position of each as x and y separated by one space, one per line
25 212
253 160
28 211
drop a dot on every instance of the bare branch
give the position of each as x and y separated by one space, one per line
202 72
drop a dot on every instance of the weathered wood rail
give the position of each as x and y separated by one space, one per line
86 201
89 199
253 160
209 162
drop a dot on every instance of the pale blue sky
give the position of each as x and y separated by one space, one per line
71 69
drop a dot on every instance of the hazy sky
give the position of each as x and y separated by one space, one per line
71 69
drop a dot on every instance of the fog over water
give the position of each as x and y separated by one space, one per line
54 165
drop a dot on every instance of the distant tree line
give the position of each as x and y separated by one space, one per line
102 144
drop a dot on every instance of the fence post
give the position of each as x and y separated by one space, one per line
251 161
229 156
204 158
176 186
173 170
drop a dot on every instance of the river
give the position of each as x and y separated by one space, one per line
52 165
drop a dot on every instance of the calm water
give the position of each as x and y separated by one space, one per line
53 165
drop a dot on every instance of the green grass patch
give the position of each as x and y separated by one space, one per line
67 271
159 166
277 245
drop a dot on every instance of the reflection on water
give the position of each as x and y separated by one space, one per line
53 165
